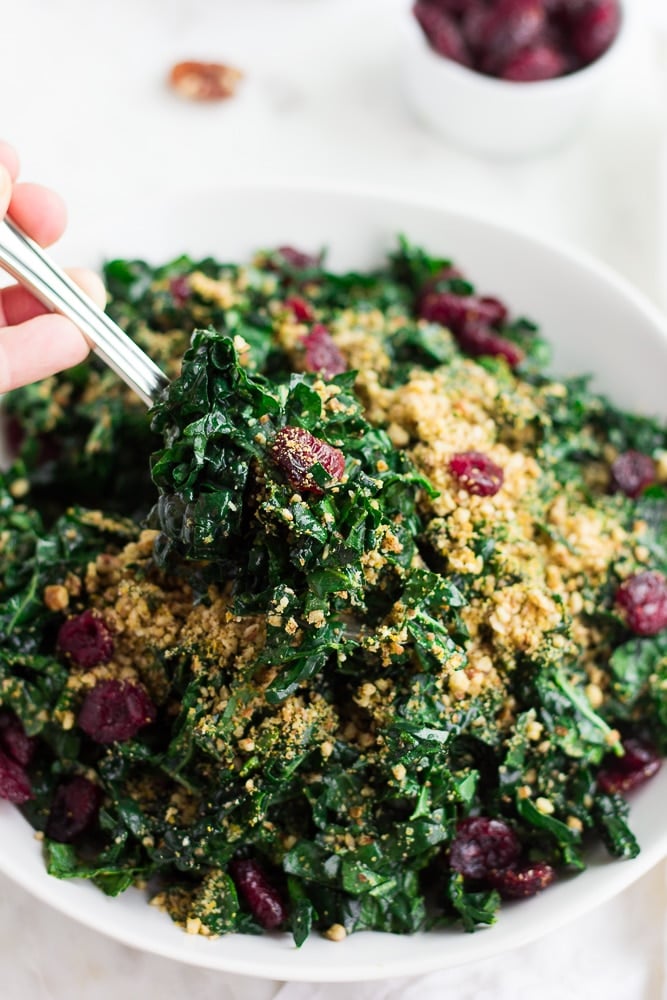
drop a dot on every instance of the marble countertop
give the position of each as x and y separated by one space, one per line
85 101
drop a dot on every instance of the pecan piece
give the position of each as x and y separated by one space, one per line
204 81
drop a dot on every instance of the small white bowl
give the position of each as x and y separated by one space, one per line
501 117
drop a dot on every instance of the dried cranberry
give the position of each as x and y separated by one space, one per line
556 36
50 448
446 308
642 601
480 340
322 354
453 7
541 62
483 845
639 763
14 782
114 711
297 259
522 881
14 740
74 809
476 473
460 311
442 32
301 309
632 472
473 25
86 639
263 899
492 310
558 9
15 435
295 451
510 26
594 28
180 290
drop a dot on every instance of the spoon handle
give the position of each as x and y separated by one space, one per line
31 267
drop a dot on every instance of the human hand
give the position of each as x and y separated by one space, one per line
35 343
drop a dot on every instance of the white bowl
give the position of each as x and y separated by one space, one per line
596 322
500 117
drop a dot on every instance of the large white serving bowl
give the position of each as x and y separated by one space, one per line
596 322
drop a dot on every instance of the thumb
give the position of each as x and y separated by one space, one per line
5 189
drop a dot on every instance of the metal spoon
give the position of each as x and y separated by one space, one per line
31 267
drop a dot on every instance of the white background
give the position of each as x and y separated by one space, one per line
83 96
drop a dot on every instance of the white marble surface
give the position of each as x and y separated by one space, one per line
84 99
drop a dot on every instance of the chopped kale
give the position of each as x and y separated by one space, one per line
347 651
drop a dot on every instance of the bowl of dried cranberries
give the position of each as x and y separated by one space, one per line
510 77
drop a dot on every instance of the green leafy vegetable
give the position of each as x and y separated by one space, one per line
346 657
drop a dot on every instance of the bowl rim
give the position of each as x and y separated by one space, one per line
316 185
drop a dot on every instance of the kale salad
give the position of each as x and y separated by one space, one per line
363 626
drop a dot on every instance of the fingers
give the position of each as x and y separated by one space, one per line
35 344
9 158
39 212
17 304
38 348
5 189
